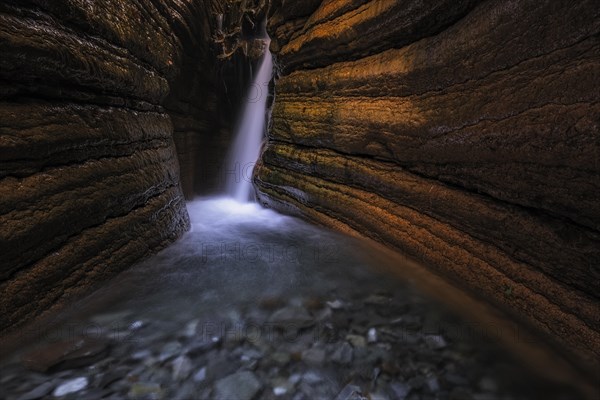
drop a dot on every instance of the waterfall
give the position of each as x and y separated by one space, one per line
249 137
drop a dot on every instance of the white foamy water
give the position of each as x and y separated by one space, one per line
251 131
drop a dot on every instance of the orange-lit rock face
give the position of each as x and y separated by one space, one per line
462 133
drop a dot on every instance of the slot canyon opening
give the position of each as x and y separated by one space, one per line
326 199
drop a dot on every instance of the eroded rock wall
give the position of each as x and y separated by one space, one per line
463 133
89 178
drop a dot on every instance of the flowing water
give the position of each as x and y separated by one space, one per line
249 137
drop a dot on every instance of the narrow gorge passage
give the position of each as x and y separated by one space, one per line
283 199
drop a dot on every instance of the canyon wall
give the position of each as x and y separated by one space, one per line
89 178
462 133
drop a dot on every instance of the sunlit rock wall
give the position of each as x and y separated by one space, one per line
462 133
89 179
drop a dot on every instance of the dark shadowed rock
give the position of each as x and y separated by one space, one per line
66 354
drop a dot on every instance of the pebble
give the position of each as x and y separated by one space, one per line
182 367
185 391
70 386
111 375
281 386
335 304
191 328
372 335
170 350
142 390
281 358
141 355
200 376
379 396
199 347
350 392
40 391
136 325
324 314
279 390
312 377
291 318
343 354
356 340
251 354
240 386
399 390
314 356
432 384
295 378
435 341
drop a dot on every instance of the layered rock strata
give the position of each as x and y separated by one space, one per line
463 133
89 178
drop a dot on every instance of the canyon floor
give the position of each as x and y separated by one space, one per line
254 305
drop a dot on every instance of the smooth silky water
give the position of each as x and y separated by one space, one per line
250 135
251 304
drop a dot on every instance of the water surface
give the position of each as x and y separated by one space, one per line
252 304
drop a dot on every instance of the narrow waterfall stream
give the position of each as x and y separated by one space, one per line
251 304
248 140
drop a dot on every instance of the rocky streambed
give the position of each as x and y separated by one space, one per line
253 305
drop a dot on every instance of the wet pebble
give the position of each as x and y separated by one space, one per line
356 340
291 318
39 392
372 335
70 386
343 354
182 367
399 390
314 356
169 351
200 376
146 390
335 304
435 341
351 392
241 386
